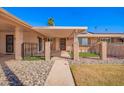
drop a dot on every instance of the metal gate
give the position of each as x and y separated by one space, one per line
29 49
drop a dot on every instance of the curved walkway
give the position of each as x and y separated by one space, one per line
60 74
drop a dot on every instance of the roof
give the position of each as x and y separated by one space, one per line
59 31
12 18
102 35
52 30
61 27
105 33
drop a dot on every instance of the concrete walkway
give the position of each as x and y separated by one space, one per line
65 54
60 74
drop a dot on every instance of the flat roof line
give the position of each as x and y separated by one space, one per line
60 27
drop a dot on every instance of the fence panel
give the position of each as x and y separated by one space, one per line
115 50
29 49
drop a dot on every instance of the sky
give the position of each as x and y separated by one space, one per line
97 19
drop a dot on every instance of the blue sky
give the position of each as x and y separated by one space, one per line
96 19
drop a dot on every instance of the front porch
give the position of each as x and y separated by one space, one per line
61 39
13 33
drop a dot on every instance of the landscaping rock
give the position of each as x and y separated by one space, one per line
27 73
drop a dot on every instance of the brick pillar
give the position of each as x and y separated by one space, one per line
103 50
18 43
76 48
47 50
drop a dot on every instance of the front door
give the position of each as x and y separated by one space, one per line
62 43
9 44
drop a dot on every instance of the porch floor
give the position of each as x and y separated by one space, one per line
62 54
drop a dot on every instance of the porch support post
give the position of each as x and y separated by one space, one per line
57 44
18 43
76 47
103 50
47 50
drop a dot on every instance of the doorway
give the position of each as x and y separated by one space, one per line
9 43
62 43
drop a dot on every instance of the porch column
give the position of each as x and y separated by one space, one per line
43 44
57 44
47 50
103 50
76 47
18 43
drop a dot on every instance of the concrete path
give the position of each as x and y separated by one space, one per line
60 74
65 54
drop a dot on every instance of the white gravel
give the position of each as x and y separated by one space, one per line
27 73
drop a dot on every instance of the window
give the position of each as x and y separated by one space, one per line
40 43
83 41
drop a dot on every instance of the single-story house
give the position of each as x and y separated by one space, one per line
88 39
20 39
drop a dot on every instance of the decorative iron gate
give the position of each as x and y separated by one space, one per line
29 49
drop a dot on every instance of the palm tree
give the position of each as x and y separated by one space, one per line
51 22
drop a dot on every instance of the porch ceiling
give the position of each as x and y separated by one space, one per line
61 32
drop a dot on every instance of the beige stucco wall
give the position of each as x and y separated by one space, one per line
93 40
32 37
28 36
69 44
90 42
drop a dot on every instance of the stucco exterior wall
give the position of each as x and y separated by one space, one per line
91 41
69 44
28 36
31 37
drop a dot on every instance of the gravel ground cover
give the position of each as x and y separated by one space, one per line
26 73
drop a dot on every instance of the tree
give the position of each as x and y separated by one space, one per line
51 22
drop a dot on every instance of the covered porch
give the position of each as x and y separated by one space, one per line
61 39
13 34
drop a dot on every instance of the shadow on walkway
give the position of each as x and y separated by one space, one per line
11 77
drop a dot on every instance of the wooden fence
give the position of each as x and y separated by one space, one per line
115 50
